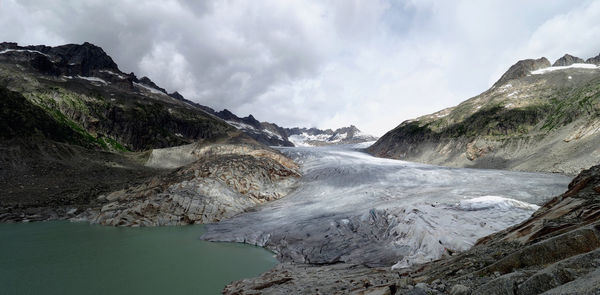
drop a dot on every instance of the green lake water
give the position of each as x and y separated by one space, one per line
78 258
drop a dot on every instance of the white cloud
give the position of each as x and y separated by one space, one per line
316 63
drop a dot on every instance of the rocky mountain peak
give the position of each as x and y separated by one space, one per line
177 95
522 69
567 60
85 58
146 81
69 60
594 60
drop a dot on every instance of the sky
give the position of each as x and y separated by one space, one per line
321 63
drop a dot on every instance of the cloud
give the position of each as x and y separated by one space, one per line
316 63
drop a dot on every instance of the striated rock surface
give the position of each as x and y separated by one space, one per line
224 180
556 251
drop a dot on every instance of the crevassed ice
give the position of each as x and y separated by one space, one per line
352 207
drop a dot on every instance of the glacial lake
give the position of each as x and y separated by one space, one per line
78 258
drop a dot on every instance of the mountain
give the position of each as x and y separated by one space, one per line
536 117
266 133
74 127
318 137
273 135
81 86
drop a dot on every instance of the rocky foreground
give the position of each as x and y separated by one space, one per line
556 251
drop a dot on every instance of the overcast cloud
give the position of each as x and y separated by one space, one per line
316 63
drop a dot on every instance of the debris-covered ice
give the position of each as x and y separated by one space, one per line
352 207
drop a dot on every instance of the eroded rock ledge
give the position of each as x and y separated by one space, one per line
556 251
216 182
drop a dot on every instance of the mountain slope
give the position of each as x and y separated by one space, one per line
535 118
74 127
84 87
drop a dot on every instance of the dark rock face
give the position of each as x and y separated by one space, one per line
82 59
567 60
522 69
70 60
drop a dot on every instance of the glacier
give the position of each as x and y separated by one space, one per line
352 207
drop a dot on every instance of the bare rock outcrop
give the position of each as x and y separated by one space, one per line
224 180
567 60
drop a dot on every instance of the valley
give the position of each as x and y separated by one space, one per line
468 200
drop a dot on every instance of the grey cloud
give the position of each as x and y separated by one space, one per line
314 63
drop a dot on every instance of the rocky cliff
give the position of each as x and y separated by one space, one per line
537 117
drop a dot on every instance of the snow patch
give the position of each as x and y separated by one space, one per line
22 50
93 79
113 73
339 137
151 89
241 126
272 134
304 138
513 93
363 145
573 66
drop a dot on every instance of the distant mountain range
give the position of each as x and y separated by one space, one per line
536 117
273 135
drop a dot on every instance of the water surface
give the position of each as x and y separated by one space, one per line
78 258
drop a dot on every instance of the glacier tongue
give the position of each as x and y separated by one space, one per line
352 207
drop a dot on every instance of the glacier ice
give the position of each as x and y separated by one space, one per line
352 207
